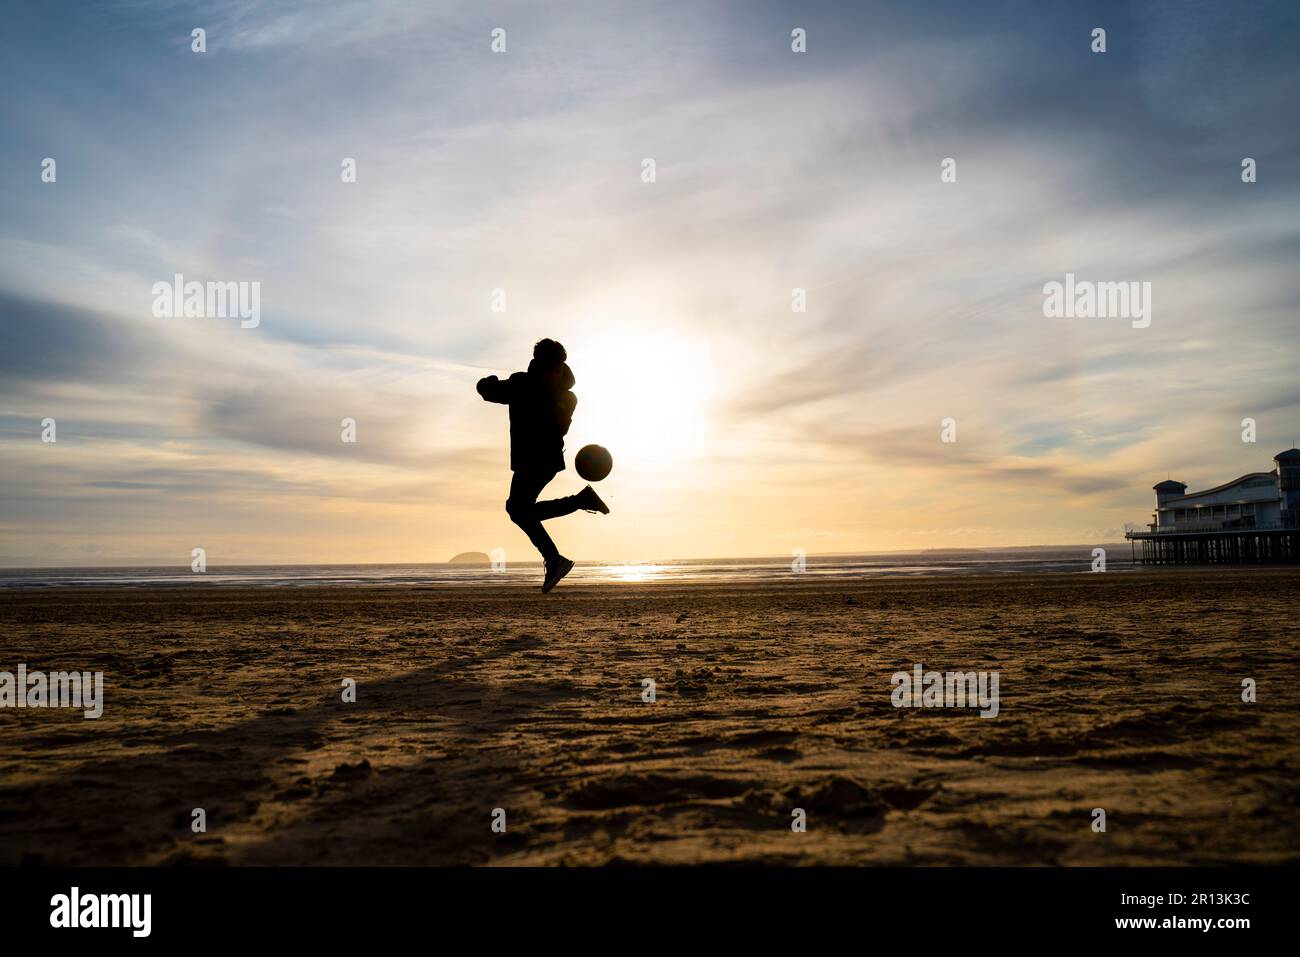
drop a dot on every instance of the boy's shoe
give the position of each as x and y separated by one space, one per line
555 571
591 502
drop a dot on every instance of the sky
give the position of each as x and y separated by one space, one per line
738 424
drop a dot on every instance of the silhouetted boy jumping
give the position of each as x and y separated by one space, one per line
541 408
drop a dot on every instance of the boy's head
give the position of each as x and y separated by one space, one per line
548 352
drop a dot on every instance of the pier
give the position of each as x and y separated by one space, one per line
1252 520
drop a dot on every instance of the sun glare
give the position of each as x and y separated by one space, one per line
645 396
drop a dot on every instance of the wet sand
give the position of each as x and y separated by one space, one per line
1120 691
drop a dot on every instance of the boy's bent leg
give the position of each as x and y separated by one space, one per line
587 500
555 507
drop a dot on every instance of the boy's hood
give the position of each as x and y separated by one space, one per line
565 379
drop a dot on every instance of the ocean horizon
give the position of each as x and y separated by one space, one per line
1018 560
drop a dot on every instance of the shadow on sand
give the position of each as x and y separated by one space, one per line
263 805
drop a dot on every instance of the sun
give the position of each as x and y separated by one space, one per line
647 396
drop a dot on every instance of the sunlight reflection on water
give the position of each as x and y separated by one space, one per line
637 573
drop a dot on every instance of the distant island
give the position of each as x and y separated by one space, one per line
471 558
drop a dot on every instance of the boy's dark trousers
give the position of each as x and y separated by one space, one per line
528 513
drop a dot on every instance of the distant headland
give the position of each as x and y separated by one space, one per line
471 558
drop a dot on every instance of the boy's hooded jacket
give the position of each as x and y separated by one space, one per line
541 404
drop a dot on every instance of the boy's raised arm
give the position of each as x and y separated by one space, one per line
493 389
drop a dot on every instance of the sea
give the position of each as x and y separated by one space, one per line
1011 561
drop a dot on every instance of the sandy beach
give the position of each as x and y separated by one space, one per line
1118 691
